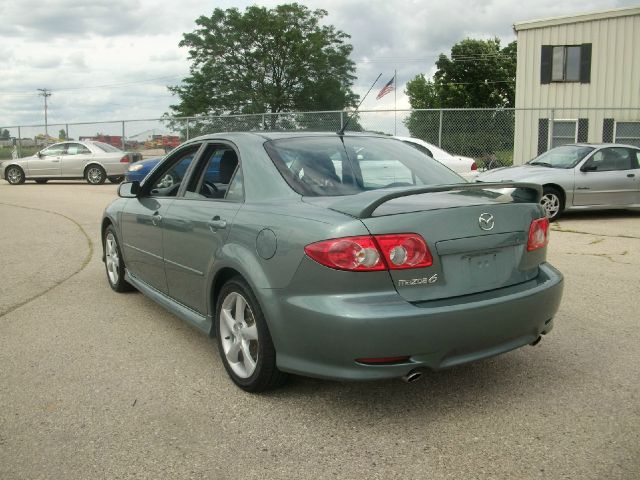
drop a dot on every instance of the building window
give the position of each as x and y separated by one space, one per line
565 63
563 132
628 133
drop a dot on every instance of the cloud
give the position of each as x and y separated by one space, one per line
77 44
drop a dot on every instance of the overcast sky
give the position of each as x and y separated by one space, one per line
112 59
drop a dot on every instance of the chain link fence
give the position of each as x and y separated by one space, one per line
493 137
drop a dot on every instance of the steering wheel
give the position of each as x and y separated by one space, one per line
212 189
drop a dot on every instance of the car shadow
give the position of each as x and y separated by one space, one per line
598 215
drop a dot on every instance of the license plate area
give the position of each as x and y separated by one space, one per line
487 269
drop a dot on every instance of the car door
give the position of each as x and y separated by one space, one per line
197 225
74 160
143 218
608 177
46 163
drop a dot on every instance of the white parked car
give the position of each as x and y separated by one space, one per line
464 166
93 161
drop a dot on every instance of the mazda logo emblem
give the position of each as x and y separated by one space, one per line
486 221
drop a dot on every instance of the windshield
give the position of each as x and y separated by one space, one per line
566 156
325 166
105 147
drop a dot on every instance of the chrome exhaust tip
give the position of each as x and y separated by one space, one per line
412 376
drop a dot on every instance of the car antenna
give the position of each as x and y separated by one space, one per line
344 127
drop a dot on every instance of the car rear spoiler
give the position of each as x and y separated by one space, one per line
364 204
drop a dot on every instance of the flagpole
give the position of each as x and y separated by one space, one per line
395 102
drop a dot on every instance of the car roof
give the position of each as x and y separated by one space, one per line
276 135
600 145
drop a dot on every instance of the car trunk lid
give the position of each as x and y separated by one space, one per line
477 237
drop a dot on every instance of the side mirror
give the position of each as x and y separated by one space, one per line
589 168
129 189
40 155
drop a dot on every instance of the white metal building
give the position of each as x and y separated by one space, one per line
577 80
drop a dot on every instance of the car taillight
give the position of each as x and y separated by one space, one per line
474 166
125 159
538 234
372 252
404 250
348 253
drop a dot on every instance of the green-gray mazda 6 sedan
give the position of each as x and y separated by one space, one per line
348 257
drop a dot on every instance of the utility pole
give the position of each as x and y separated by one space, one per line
45 93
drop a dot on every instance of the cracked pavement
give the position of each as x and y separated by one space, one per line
99 385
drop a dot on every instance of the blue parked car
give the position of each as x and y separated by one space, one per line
139 170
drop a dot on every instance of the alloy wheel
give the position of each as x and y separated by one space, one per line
112 258
14 175
551 204
239 335
94 175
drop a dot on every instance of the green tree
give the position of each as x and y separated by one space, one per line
5 134
62 134
477 74
265 60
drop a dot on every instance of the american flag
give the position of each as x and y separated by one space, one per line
388 88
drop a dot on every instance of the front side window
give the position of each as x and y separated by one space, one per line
214 176
610 159
331 165
54 150
567 156
563 132
171 172
628 132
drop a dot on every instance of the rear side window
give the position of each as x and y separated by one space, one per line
330 166
105 147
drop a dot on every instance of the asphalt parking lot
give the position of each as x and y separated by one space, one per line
99 385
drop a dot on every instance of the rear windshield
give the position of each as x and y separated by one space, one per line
105 147
329 166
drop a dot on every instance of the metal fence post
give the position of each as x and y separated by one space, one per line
187 133
341 120
264 122
19 143
440 131
66 130
551 122
123 144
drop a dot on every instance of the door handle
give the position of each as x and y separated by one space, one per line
56 160
631 175
216 222
156 219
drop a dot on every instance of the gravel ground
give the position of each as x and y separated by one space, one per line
99 385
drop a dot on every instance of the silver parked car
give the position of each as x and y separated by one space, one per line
580 176
93 161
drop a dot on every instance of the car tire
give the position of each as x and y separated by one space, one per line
114 263
41 180
244 341
14 175
553 202
116 179
95 175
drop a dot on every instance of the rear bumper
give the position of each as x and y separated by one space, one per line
322 335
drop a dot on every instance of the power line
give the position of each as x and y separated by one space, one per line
89 87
